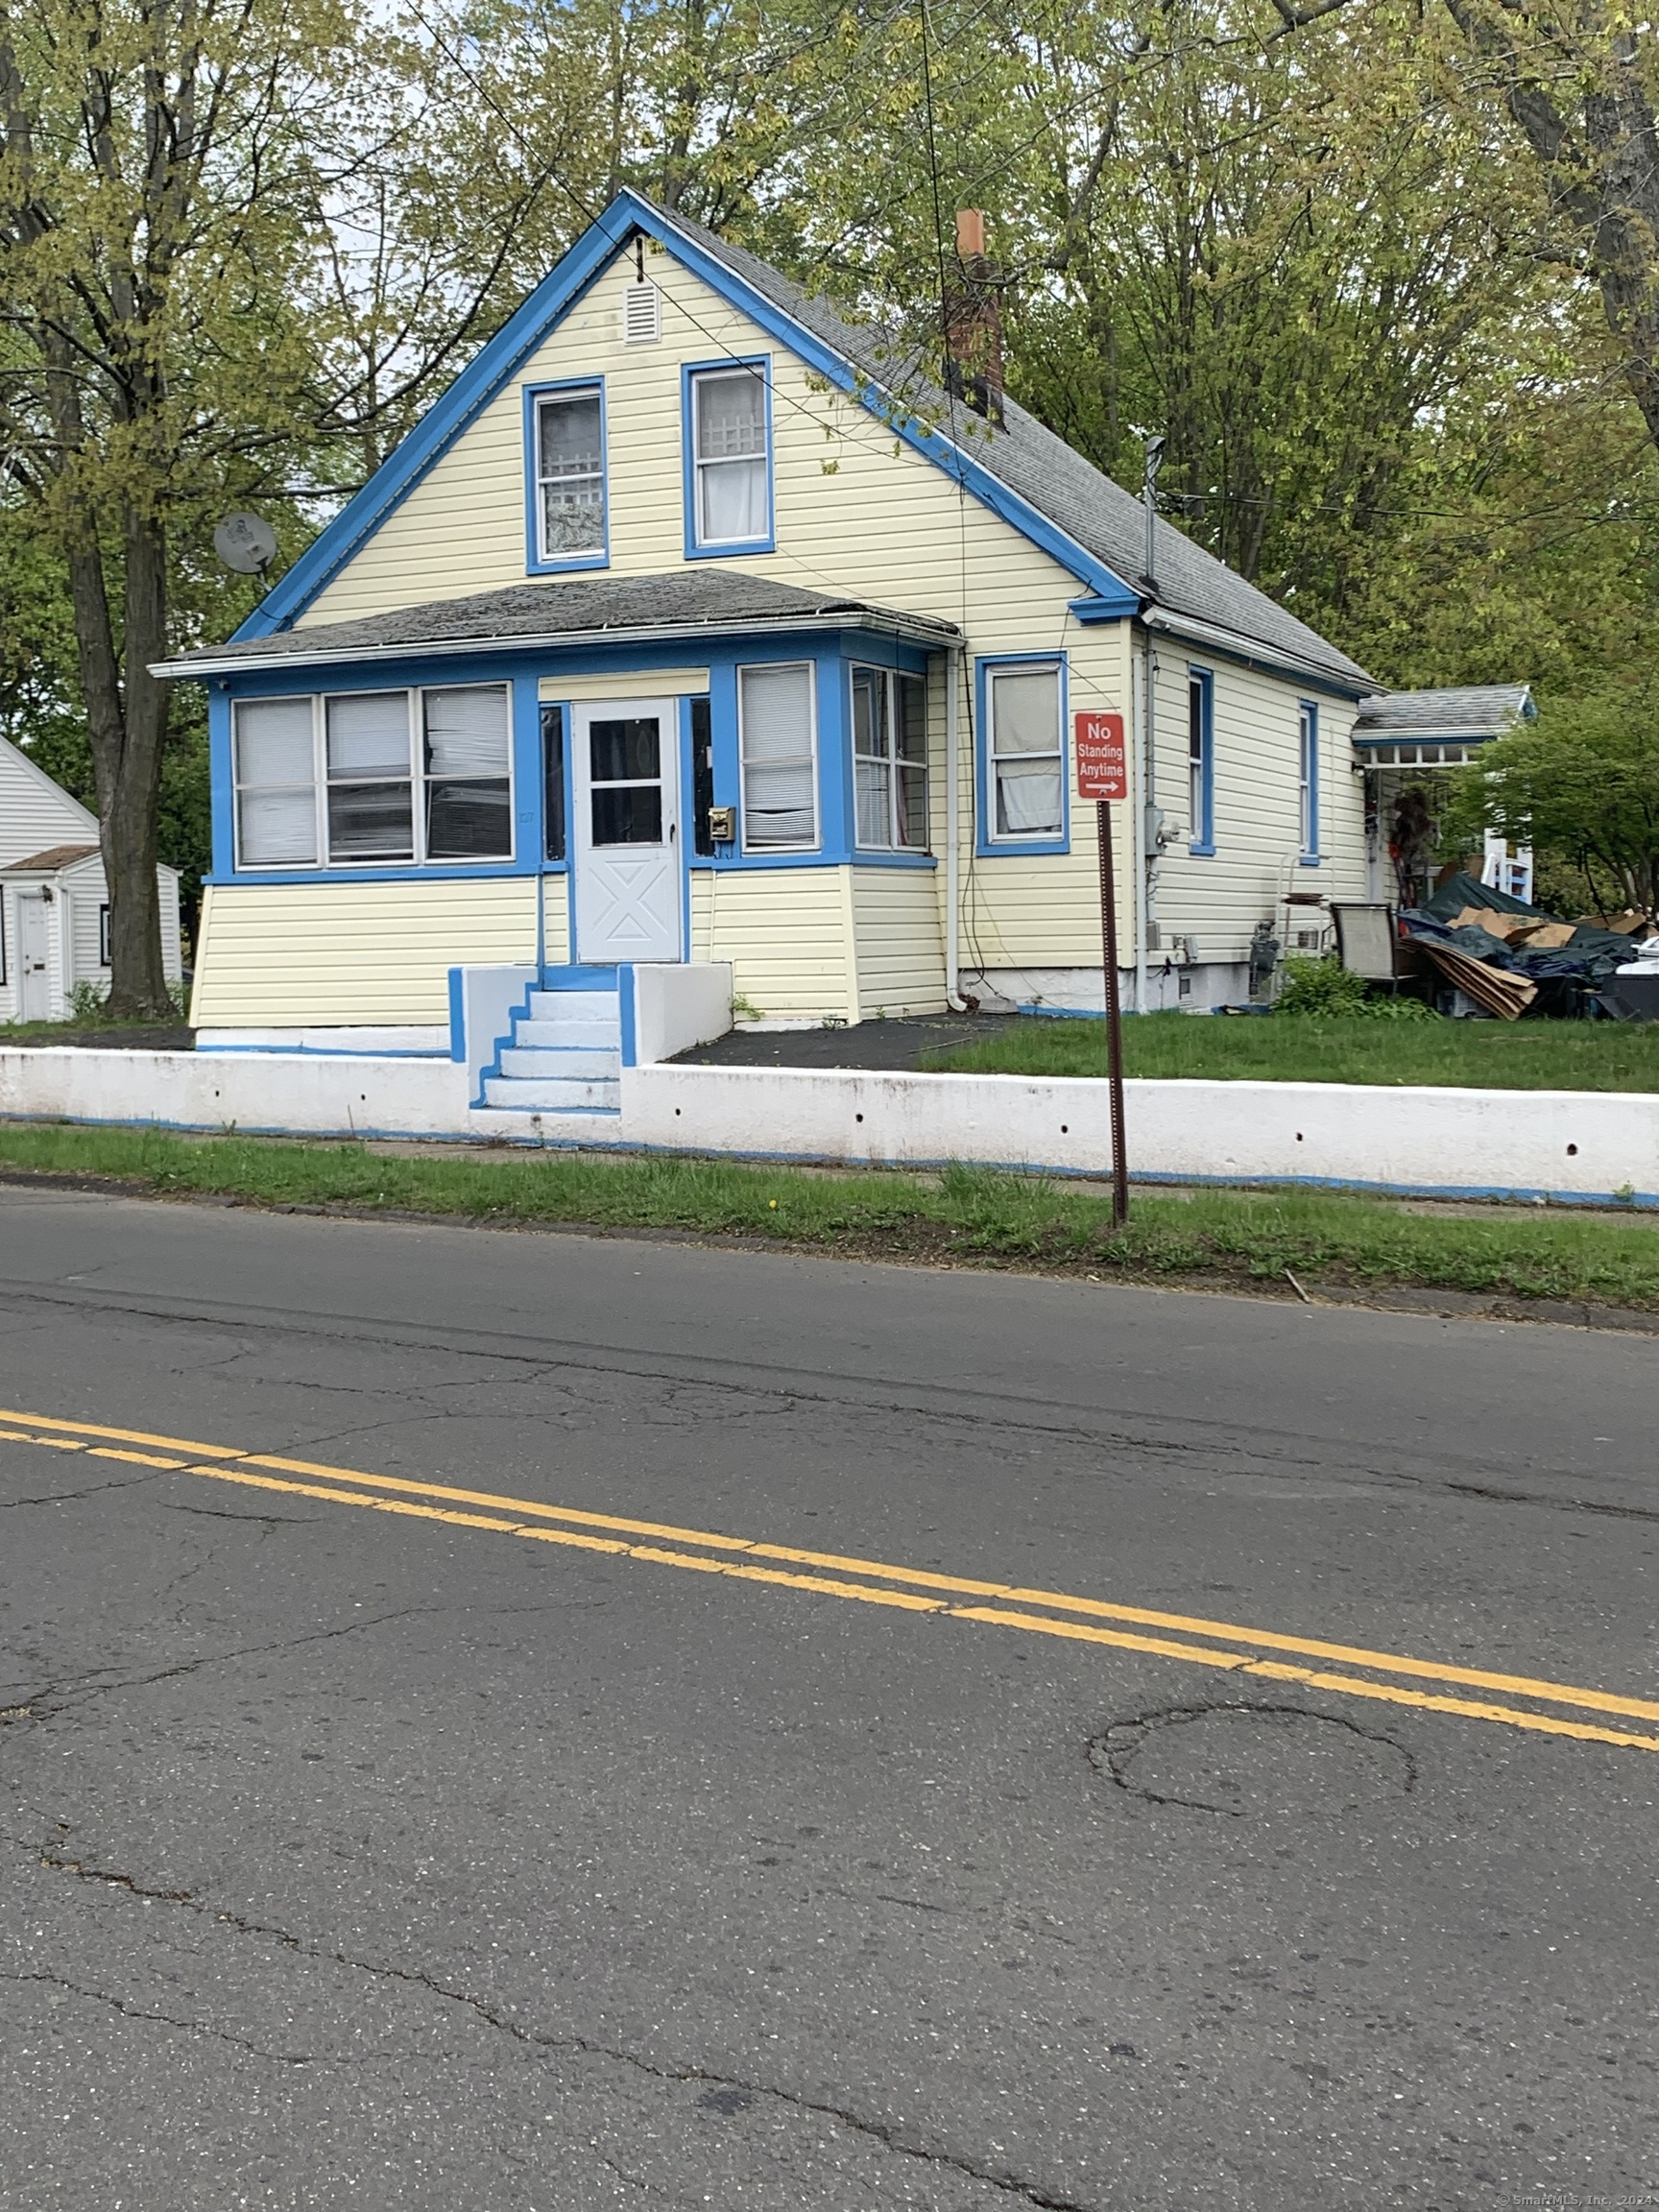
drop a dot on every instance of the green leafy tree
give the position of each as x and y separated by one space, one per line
1581 784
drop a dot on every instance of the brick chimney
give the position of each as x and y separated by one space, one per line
973 323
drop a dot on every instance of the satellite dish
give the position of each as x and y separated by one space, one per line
246 543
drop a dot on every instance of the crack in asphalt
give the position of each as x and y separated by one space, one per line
166 2019
55 1698
1112 1757
890 2136
91 1490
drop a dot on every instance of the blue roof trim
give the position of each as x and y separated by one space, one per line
442 422
504 353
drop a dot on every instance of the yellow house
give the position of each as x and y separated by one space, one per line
693 628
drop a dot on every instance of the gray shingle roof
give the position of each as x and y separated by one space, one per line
1069 491
49 862
680 604
1472 713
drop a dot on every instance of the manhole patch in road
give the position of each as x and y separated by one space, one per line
1250 1762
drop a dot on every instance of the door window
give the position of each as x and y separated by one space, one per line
625 777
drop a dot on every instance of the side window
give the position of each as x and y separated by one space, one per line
103 941
1201 759
469 782
1308 778
702 777
553 782
1025 755
275 745
890 761
778 752
729 488
570 522
371 790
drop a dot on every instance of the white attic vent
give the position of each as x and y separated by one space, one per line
642 315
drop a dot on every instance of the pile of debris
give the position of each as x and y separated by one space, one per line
1507 958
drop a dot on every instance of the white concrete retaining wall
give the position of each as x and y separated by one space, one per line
677 1006
1557 1143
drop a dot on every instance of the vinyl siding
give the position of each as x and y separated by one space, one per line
1218 898
900 954
788 935
352 954
35 812
858 512
886 523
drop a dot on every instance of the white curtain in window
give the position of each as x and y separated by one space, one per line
466 730
369 734
276 777
1026 754
779 796
731 431
572 466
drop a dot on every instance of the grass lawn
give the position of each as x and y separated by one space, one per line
1304 1049
966 1217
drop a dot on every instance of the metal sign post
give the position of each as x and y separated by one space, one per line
1103 776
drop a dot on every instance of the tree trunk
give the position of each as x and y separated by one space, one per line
126 726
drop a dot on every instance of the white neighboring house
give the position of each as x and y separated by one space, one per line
53 903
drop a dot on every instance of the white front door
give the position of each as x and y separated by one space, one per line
626 846
34 953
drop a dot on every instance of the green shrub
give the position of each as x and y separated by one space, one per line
86 1001
1322 986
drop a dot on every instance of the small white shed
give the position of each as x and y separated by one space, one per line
54 901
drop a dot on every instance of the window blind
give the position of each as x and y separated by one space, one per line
780 783
277 783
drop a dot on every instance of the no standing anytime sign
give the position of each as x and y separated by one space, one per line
1102 760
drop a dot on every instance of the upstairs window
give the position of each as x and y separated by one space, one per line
778 743
729 489
1308 778
1025 744
570 526
1201 759
890 760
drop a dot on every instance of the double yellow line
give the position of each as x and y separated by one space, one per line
878 1582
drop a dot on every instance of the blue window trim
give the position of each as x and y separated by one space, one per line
534 564
1203 844
985 846
727 547
1308 764
499 361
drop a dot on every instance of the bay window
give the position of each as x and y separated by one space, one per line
890 760
370 779
778 750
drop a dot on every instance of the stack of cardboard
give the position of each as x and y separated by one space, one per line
1497 989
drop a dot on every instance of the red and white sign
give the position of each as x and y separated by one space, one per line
1102 759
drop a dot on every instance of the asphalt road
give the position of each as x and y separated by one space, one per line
366 1846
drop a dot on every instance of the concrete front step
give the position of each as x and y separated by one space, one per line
564 1006
533 1059
553 1093
595 1033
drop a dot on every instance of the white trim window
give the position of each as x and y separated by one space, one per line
570 474
890 761
1027 753
778 744
275 779
374 778
732 505
371 783
466 755
1308 778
